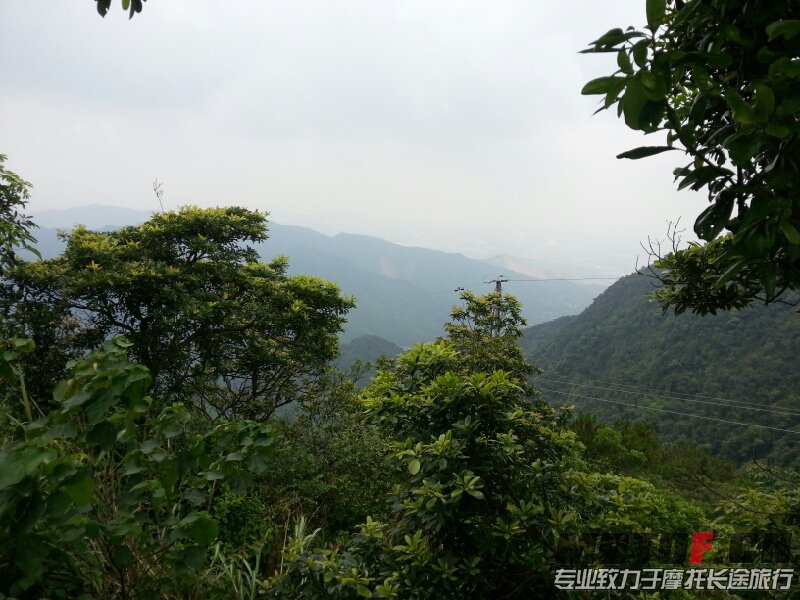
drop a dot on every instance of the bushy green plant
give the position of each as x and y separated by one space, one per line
485 332
492 481
15 227
104 498
768 504
481 501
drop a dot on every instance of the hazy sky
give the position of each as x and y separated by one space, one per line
450 124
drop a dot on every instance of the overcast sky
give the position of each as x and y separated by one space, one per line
449 124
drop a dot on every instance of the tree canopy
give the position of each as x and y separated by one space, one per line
720 79
214 326
491 480
15 227
486 331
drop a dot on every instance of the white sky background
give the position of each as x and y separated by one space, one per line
449 124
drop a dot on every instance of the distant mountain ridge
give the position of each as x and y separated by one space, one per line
404 294
623 341
93 216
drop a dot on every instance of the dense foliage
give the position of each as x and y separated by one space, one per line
463 484
492 479
215 327
623 343
103 497
720 78
15 226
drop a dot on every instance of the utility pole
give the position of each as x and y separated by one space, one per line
498 287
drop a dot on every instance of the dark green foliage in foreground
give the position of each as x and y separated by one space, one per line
106 497
720 78
457 479
491 480
330 463
103 496
747 356
460 522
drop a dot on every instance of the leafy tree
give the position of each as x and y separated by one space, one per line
15 227
719 77
491 482
481 500
106 497
214 326
768 504
486 331
330 464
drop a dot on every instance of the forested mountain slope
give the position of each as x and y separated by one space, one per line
366 348
748 357
403 293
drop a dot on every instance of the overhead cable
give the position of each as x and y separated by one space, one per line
651 395
679 395
674 412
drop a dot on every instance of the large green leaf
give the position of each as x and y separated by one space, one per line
741 111
17 464
714 219
601 85
786 29
624 62
764 100
80 488
656 10
790 231
644 151
744 147
104 435
103 6
633 103
639 52
204 530
610 38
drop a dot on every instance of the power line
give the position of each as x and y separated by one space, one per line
680 395
567 279
673 412
770 410
497 282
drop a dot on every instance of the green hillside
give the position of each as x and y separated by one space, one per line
706 366
366 348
